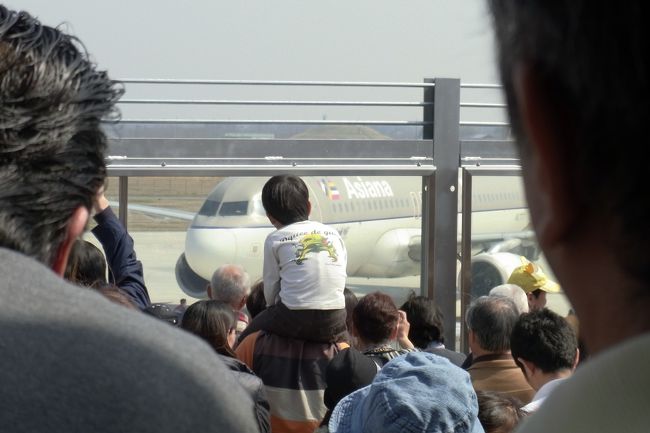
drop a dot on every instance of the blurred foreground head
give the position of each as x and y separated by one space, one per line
52 99
575 75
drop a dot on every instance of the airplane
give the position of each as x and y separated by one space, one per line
379 218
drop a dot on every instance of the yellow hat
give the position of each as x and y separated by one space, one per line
530 277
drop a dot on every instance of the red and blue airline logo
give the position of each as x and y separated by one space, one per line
330 189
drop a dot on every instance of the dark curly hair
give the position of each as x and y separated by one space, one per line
545 339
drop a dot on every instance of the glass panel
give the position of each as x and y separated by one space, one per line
502 234
161 209
180 249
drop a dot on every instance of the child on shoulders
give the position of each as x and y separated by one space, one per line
304 268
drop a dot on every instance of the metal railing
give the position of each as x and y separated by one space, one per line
436 154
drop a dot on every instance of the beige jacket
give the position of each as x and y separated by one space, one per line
500 373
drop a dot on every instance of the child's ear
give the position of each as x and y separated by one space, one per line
308 208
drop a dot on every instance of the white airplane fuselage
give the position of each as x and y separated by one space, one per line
379 219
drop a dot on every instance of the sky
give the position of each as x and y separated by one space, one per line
335 40
366 40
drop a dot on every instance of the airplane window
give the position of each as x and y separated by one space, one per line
209 208
233 208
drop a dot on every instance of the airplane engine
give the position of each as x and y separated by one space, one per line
189 281
393 255
492 269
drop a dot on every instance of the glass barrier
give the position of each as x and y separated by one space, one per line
502 238
186 227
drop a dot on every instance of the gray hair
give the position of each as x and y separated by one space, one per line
491 319
513 292
230 283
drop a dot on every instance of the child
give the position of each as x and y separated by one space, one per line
304 268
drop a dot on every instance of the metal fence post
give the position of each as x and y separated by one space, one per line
124 200
440 226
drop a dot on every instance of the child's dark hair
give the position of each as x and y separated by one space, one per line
286 198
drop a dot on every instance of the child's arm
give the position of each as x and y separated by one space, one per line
271 274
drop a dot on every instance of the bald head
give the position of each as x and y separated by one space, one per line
513 292
230 284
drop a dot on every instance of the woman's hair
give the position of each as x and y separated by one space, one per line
375 317
426 321
86 265
212 321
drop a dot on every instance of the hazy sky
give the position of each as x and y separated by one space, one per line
336 40
368 40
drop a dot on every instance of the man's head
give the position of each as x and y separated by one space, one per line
534 283
543 343
51 145
513 292
230 284
575 75
426 321
490 320
286 199
183 301
375 319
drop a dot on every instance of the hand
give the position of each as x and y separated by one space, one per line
403 327
100 203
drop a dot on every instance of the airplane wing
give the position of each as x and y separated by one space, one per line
512 242
158 211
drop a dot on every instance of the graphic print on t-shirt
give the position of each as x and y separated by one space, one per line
314 243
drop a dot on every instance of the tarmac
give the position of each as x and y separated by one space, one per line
159 251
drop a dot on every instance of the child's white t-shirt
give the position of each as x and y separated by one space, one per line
305 267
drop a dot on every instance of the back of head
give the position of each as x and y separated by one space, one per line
51 144
86 265
351 302
255 302
426 321
545 339
375 317
213 321
513 292
230 284
498 413
597 94
491 319
286 198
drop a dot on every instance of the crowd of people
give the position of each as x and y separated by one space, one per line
298 352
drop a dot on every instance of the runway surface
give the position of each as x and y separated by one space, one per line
159 252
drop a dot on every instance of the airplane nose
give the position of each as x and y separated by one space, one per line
207 249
